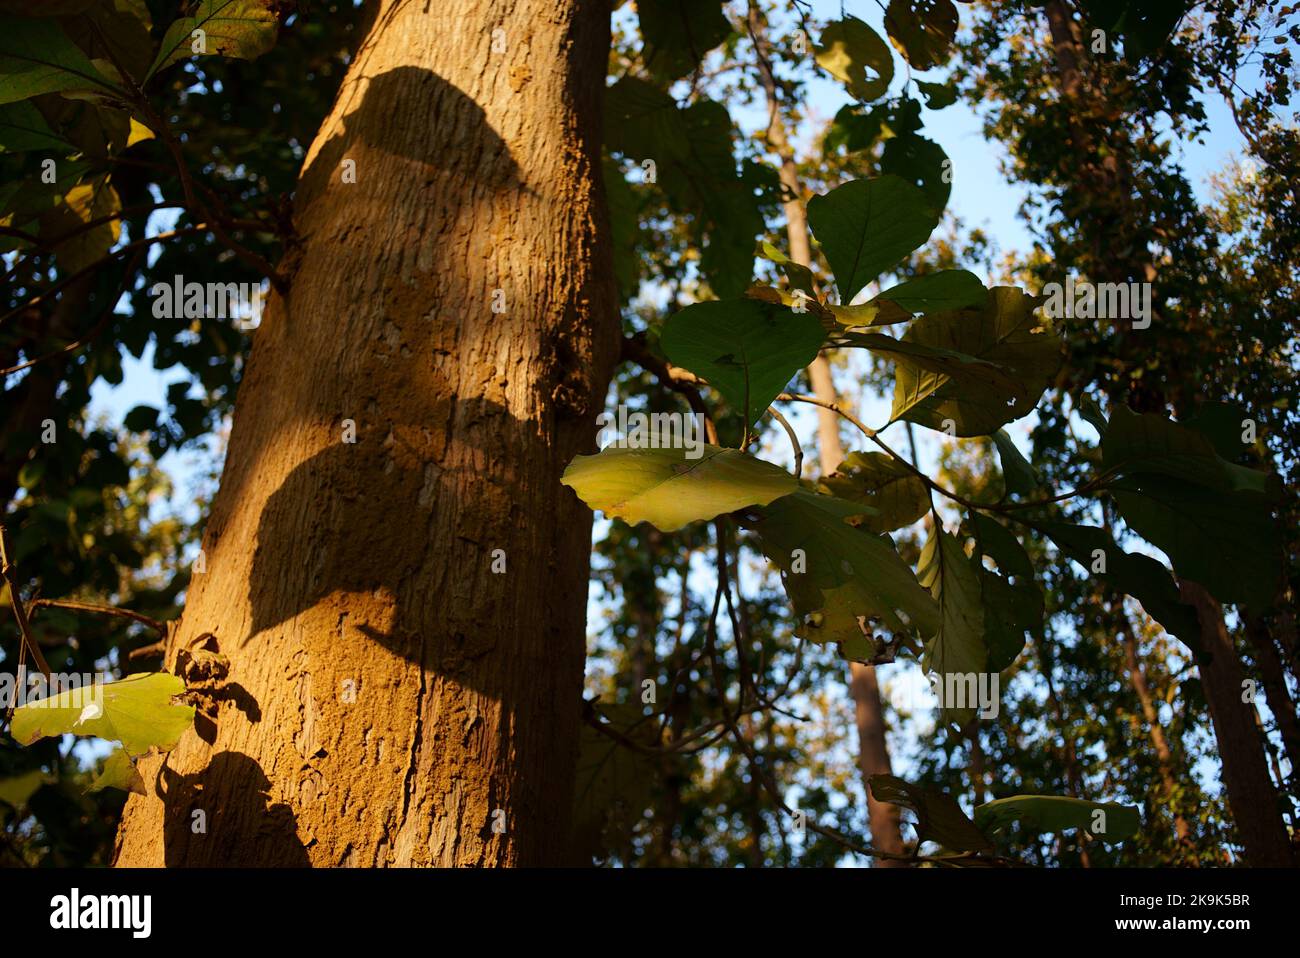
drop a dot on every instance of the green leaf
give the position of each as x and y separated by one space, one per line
668 490
1134 574
1036 814
938 816
897 494
937 292
115 31
1229 542
695 164
747 349
15 791
615 783
1149 443
1011 598
118 772
1223 424
92 200
625 227
831 568
959 647
998 543
1214 519
1006 333
1019 474
922 30
136 711
678 33
800 276
853 53
923 164
244 29
868 226
932 366
937 95
36 56
23 129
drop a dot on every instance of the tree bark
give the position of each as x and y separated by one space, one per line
1251 796
394 697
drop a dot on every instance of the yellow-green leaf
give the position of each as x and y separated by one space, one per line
137 711
667 489
118 772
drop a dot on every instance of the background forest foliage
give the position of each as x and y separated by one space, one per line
716 137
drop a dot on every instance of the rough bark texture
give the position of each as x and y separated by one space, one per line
1251 795
392 700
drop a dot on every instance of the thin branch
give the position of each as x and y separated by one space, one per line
10 574
155 624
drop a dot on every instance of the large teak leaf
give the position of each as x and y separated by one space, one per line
747 349
868 226
669 490
137 711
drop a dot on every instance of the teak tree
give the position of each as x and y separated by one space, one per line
379 660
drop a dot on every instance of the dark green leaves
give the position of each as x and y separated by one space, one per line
667 489
678 33
938 816
1005 333
948 289
694 165
922 30
234 28
1020 477
921 162
36 57
959 647
941 820
897 494
1212 518
867 226
1053 813
747 349
835 573
852 52
1133 573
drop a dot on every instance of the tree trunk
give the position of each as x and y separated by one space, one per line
1251 795
403 613
1164 755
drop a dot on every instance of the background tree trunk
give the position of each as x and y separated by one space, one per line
392 699
873 747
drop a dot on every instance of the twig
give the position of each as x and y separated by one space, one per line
154 624
20 614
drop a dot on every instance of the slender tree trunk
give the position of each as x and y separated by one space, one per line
403 614
873 747
1164 756
1251 795
1276 692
